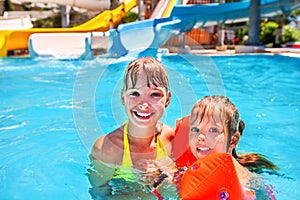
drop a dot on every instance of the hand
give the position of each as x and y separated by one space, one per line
167 166
152 172
146 172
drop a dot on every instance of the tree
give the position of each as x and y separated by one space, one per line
267 34
7 6
290 34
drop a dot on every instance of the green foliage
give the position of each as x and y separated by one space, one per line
7 6
243 34
290 34
267 34
50 22
294 16
130 17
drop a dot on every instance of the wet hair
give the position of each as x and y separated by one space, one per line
232 125
155 71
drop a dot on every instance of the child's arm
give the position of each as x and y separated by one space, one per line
167 135
102 163
106 150
248 194
99 173
245 177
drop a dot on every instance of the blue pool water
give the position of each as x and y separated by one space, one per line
52 111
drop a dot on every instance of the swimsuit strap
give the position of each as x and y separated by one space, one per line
161 151
127 162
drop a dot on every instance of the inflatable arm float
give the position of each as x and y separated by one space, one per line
211 178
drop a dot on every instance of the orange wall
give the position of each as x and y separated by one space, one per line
193 38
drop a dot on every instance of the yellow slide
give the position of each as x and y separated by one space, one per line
3 50
18 39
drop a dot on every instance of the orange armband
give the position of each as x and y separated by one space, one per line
212 177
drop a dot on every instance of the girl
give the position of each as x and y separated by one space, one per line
214 127
145 95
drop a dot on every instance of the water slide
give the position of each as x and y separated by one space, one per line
185 17
92 5
18 39
164 8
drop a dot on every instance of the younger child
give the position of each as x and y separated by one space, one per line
215 127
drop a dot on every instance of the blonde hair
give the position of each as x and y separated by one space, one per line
155 71
232 125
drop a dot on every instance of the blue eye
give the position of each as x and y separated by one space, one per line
136 94
195 129
213 130
156 94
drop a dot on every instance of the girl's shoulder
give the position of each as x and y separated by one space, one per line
107 148
245 176
168 132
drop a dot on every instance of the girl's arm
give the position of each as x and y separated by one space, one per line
245 177
102 162
99 172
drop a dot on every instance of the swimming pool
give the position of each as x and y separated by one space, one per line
51 111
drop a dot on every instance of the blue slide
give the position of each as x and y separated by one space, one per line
146 36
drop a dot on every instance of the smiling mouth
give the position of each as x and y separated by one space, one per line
142 115
203 149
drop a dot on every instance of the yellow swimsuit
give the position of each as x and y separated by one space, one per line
127 162
124 171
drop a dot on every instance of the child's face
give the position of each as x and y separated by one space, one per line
145 105
207 137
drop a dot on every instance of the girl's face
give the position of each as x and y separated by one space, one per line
207 137
145 104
